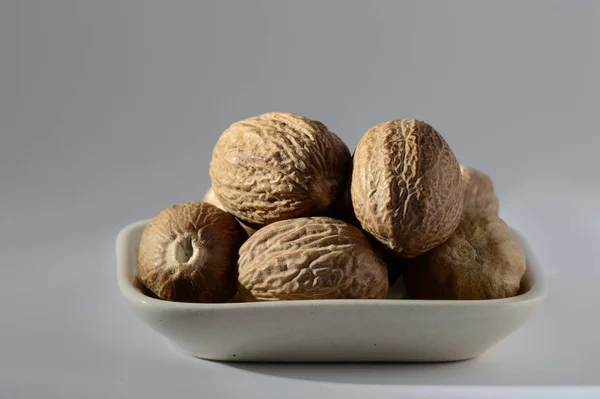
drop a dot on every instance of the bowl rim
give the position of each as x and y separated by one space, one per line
537 291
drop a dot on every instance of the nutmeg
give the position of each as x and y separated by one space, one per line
278 166
310 258
406 186
480 260
479 196
188 253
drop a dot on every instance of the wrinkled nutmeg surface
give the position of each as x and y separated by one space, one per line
479 198
310 258
406 186
480 260
278 166
188 253
212 199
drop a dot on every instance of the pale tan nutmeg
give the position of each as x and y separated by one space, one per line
278 166
310 258
212 199
188 253
480 260
406 186
479 198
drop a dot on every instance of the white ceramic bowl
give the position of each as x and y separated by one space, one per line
330 330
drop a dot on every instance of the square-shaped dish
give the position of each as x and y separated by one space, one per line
330 330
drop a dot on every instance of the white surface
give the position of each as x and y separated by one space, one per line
109 111
330 330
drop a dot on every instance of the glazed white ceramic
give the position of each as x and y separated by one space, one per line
389 330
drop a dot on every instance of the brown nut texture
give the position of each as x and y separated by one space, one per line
310 258
188 253
278 166
480 260
479 196
212 199
406 186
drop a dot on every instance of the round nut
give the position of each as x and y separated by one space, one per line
406 186
188 253
479 197
212 199
278 166
310 258
480 260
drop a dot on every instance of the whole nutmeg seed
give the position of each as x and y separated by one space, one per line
310 258
480 260
212 199
188 253
406 186
278 166
479 196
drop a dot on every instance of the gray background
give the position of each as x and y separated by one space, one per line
109 111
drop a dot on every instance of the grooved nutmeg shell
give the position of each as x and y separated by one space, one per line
278 166
188 253
479 196
480 260
212 199
310 258
406 186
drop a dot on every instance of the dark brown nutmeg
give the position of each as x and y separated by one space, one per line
188 253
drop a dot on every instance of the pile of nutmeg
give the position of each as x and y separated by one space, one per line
293 215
